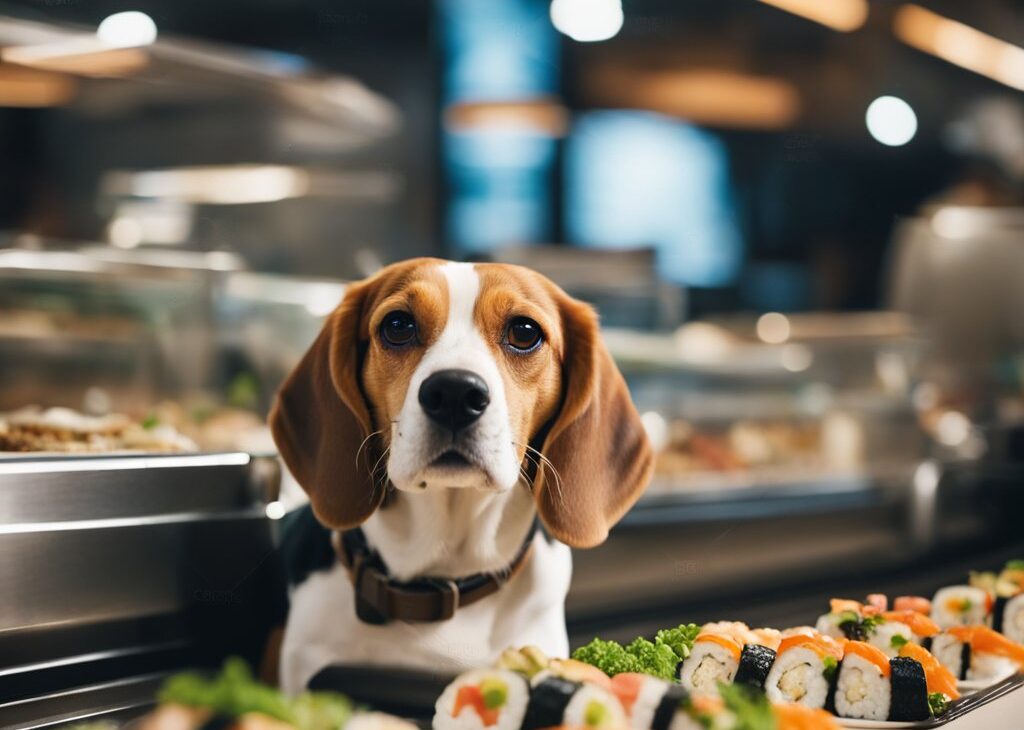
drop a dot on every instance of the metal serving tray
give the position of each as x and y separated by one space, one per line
128 565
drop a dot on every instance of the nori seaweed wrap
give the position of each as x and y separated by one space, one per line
755 663
548 701
674 696
909 690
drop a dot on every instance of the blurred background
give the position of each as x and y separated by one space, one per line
802 222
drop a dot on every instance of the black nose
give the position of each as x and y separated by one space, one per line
454 398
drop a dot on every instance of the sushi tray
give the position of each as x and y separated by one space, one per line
412 694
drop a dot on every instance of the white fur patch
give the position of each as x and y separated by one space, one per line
414 443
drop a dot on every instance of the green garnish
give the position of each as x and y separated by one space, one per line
234 692
897 641
608 656
150 422
321 711
1014 565
750 706
857 627
680 639
244 391
831 667
495 693
937 703
658 660
595 714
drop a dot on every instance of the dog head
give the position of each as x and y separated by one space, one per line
437 375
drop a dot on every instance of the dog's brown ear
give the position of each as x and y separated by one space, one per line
321 423
597 444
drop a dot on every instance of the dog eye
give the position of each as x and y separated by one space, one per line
398 329
523 334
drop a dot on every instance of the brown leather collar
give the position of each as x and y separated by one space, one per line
381 599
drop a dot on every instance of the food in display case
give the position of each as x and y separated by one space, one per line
62 430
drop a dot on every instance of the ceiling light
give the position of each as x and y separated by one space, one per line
891 121
842 15
127 29
960 45
587 20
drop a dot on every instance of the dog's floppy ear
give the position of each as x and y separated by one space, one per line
321 423
596 444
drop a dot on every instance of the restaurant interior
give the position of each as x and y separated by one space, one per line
801 222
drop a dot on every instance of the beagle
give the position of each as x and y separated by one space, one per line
443 408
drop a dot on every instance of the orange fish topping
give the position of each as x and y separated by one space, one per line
939 678
734 648
912 603
918 622
984 639
871 654
798 717
820 644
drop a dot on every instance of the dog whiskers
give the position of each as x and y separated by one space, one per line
541 462
364 443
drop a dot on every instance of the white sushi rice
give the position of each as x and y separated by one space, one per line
990 667
1013 619
682 721
828 625
949 651
971 606
708 664
862 691
882 637
798 676
646 704
512 714
576 711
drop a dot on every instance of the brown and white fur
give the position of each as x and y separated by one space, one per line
559 438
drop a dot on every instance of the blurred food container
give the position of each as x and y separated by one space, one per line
785 399
101 330
959 271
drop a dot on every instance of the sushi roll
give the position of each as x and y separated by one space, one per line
649 702
483 698
961 605
1011 618
889 636
863 690
755 663
804 670
556 701
714 659
954 654
978 653
909 690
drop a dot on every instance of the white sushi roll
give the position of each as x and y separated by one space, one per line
1013 619
710 662
483 698
800 675
889 636
952 653
641 696
862 690
593 707
828 624
961 606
